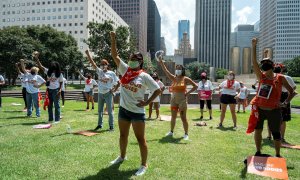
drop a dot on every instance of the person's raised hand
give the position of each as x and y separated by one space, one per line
254 41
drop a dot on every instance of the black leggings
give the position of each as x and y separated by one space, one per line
208 103
0 98
24 96
63 97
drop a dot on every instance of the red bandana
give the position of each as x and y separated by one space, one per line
130 75
230 83
88 81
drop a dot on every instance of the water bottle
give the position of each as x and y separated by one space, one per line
158 54
69 130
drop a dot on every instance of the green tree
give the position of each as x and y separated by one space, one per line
18 43
220 73
293 67
99 41
195 69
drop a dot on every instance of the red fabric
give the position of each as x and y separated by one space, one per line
88 81
253 119
230 83
39 98
130 75
274 99
46 100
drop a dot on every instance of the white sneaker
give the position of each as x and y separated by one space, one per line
56 122
169 134
186 137
117 160
141 171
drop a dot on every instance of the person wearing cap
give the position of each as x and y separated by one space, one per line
179 96
242 97
156 101
285 110
205 89
134 83
230 88
267 100
107 81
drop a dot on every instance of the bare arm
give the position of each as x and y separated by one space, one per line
256 68
91 59
116 87
114 52
18 70
292 92
81 76
191 82
36 57
167 72
22 65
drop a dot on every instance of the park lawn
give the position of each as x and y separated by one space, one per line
211 153
296 99
69 87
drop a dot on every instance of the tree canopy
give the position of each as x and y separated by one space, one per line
293 67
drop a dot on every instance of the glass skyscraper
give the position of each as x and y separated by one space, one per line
183 26
212 32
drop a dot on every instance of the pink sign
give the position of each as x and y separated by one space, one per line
204 95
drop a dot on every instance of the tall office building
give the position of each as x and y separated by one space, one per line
240 48
183 27
163 45
154 29
280 29
212 32
185 49
135 14
70 16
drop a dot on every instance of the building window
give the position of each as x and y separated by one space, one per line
38 18
33 18
65 9
81 32
76 16
81 8
70 32
65 24
70 8
49 18
43 10
75 24
76 8
81 24
70 1
53 25
58 25
53 17
59 17
33 11
65 16
33 3
43 18
70 24
75 32
70 16
38 3
49 2
48 10
28 19
81 15
53 2
3 20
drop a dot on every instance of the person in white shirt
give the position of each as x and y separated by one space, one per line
107 82
90 83
134 84
63 90
205 89
230 88
23 80
156 101
242 97
54 85
33 83
2 82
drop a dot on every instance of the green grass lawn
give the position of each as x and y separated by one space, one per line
69 87
211 153
296 100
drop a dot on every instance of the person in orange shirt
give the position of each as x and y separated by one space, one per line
267 100
179 96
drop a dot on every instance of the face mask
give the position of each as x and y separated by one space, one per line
178 72
32 72
277 69
266 66
101 66
105 66
230 77
133 64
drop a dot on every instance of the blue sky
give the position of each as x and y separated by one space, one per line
243 11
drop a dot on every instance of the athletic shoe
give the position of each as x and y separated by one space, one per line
62 106
220 125
56 122
169 134
210 118
141 171
118 160
201 117
186 137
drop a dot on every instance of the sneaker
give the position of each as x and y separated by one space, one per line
201 117
220 125
98 127
118 160
186 137
210 118
93 108
234 127
56 122
169 134
238 112
141 171
111 129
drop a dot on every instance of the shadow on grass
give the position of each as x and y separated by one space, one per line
111 172
222 128
243 172
171 139
16 117
24 124
267 142
79 110
13 111
198 119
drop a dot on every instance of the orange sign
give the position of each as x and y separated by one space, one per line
86 133
267 166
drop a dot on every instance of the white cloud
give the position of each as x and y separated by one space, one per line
242 16
171 12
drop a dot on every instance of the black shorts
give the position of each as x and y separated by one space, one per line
227 99
274 119
126 115
285 111
208 104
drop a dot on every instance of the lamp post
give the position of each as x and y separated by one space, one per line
67 68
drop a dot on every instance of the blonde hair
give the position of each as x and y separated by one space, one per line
35 69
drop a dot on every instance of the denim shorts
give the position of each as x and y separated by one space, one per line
126 115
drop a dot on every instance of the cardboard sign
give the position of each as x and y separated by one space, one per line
265 91
165 118
267 166
204 94
42 126
86 133
291 146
